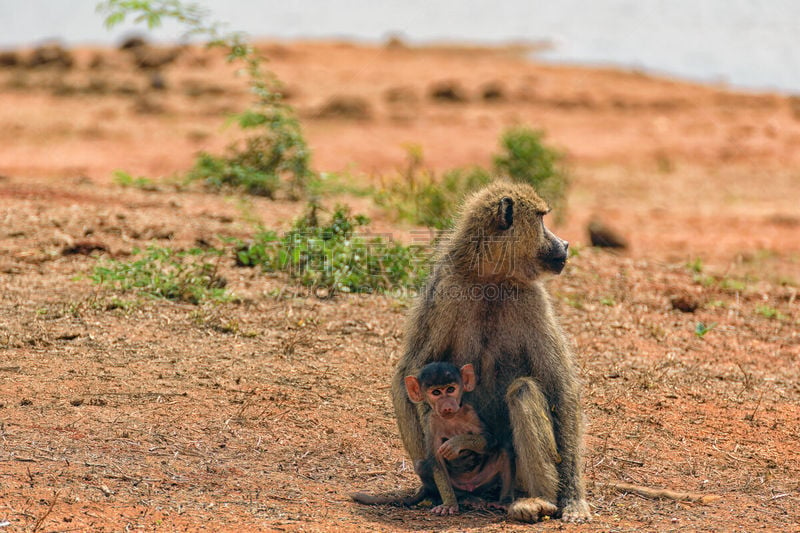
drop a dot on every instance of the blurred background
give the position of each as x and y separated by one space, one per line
744 43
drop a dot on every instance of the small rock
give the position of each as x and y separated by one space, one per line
396 42
684 302
51 55
346 106
448 91
131 42
149 57
493 92
603 236
84 248
9 59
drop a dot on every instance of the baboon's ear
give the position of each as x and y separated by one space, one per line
505 213
468 378
414 390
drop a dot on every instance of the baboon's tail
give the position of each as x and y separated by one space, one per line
391 499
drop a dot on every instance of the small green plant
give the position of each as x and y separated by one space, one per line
423 198
527 159
277 152
770 312
576 301
701 329
608 301
334 257
732 285
123 179
241 170
326 184
190 276
695 265
434 203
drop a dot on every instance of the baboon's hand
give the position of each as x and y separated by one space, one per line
576 511
530 509
448 450
443 510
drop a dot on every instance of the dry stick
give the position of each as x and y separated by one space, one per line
649 492
41 519
752 416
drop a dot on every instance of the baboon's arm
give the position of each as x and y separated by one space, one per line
476 443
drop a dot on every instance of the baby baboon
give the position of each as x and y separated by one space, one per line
485 305
461 454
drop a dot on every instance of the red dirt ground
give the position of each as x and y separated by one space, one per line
265 413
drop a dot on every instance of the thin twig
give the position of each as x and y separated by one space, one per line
629 461
752 416
668 494
41 519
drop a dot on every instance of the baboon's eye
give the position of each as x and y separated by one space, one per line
505 213
451 389
436 392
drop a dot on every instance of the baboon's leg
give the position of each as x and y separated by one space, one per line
449 503
506 478
535 449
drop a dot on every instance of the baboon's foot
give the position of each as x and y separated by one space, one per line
576 511
497 506
530 509
443 510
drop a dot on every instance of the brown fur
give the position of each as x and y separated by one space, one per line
485 305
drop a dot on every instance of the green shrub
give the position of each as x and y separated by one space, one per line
528 160
189 276
219 173
422 198
277 155
334 257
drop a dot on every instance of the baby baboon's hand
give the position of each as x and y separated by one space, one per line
448 450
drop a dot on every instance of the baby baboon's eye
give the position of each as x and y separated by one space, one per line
436 392
451 389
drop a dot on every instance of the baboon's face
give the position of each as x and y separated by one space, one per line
502 236
538 250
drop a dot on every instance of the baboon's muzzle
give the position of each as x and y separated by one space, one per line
556 257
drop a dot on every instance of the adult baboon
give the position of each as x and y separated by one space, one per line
485 305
